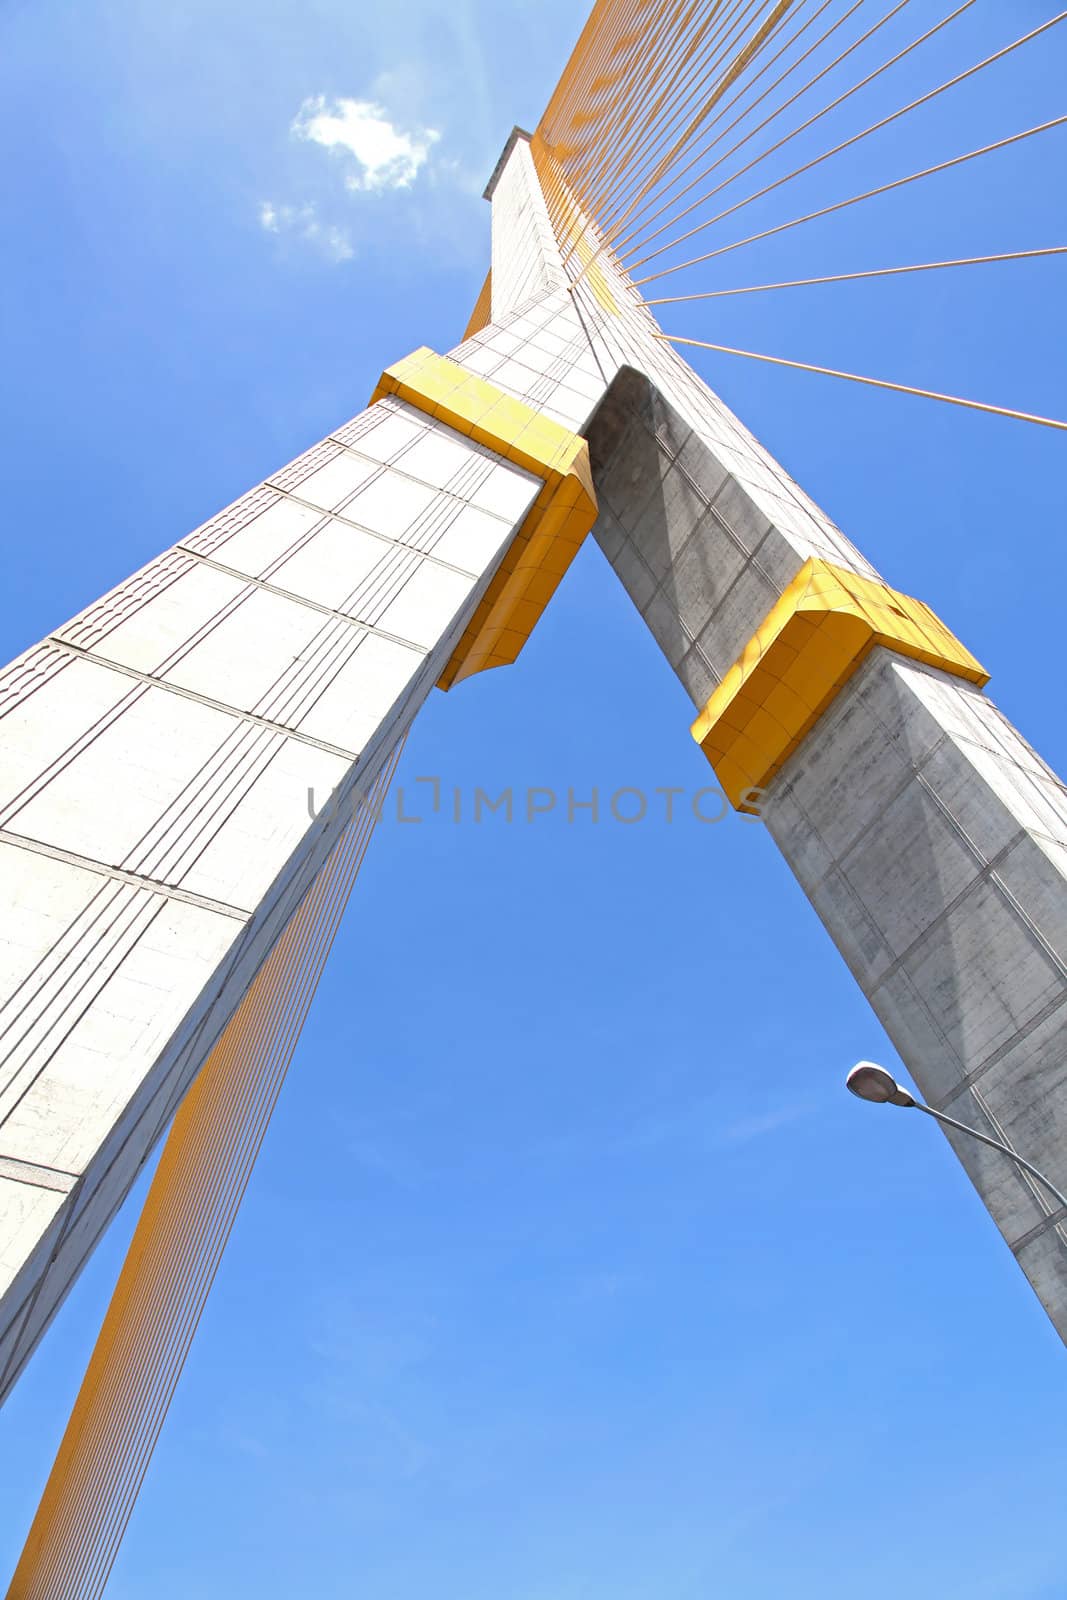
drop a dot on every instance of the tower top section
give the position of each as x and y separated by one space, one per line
514 136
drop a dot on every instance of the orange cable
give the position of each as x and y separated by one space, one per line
252 1105
874 127
876 383
745 89
850 277
629 108
629 82
617 176
868 194
772 116
737 67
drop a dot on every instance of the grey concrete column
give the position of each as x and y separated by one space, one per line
929 837
932 842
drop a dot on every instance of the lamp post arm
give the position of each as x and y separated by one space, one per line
994 1144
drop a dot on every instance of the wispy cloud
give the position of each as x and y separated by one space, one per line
302 221
758 1127
378 153
370 154
702 1122
698 1123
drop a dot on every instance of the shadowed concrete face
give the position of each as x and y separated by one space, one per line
932 842
691 544
928 836
656 483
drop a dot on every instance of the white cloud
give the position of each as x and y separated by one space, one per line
335 243
385 157
370 153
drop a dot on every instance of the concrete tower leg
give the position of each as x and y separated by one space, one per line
929 837
159 749
167 761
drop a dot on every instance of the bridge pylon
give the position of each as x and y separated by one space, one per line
156 844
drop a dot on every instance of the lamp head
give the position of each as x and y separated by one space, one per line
868 1081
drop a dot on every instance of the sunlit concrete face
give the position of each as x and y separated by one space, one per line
159 751
162 756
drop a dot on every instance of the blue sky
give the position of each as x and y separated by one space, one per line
568 1269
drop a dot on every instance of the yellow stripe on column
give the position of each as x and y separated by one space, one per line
554 527
809 645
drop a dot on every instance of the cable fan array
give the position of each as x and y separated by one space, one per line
190 1209
664 106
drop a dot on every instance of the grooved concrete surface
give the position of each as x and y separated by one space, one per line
929 837
155 825
158 752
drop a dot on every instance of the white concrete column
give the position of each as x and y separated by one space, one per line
526 262
158 753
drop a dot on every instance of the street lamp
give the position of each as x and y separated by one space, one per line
868 1081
